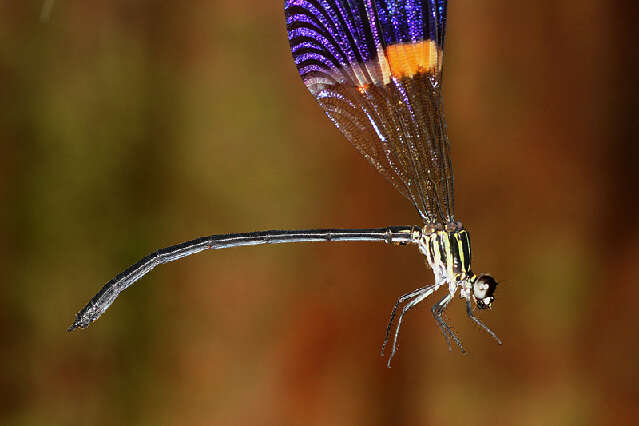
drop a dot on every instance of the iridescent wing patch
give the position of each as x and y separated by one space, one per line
375 68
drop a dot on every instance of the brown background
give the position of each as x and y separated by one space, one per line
126 126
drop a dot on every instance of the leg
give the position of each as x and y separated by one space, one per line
400 300
469 311
437 310
414 297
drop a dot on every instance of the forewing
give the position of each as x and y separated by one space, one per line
375 68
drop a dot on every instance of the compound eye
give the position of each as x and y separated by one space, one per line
483 290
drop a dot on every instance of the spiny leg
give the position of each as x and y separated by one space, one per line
400 300
469 311
437 310
417 296
405 309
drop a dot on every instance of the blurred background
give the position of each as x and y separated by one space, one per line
127 126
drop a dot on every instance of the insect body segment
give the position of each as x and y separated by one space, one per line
448 255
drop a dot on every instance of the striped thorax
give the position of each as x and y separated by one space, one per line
447 250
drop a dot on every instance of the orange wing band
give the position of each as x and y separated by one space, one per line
408 59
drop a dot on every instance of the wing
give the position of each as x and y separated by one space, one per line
375 67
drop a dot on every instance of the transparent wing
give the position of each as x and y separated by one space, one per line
375 67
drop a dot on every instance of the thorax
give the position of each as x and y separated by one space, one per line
447 251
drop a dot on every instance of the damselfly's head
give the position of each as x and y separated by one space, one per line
483 290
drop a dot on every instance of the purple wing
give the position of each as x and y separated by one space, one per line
375 68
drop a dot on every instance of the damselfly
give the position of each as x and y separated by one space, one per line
375 67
